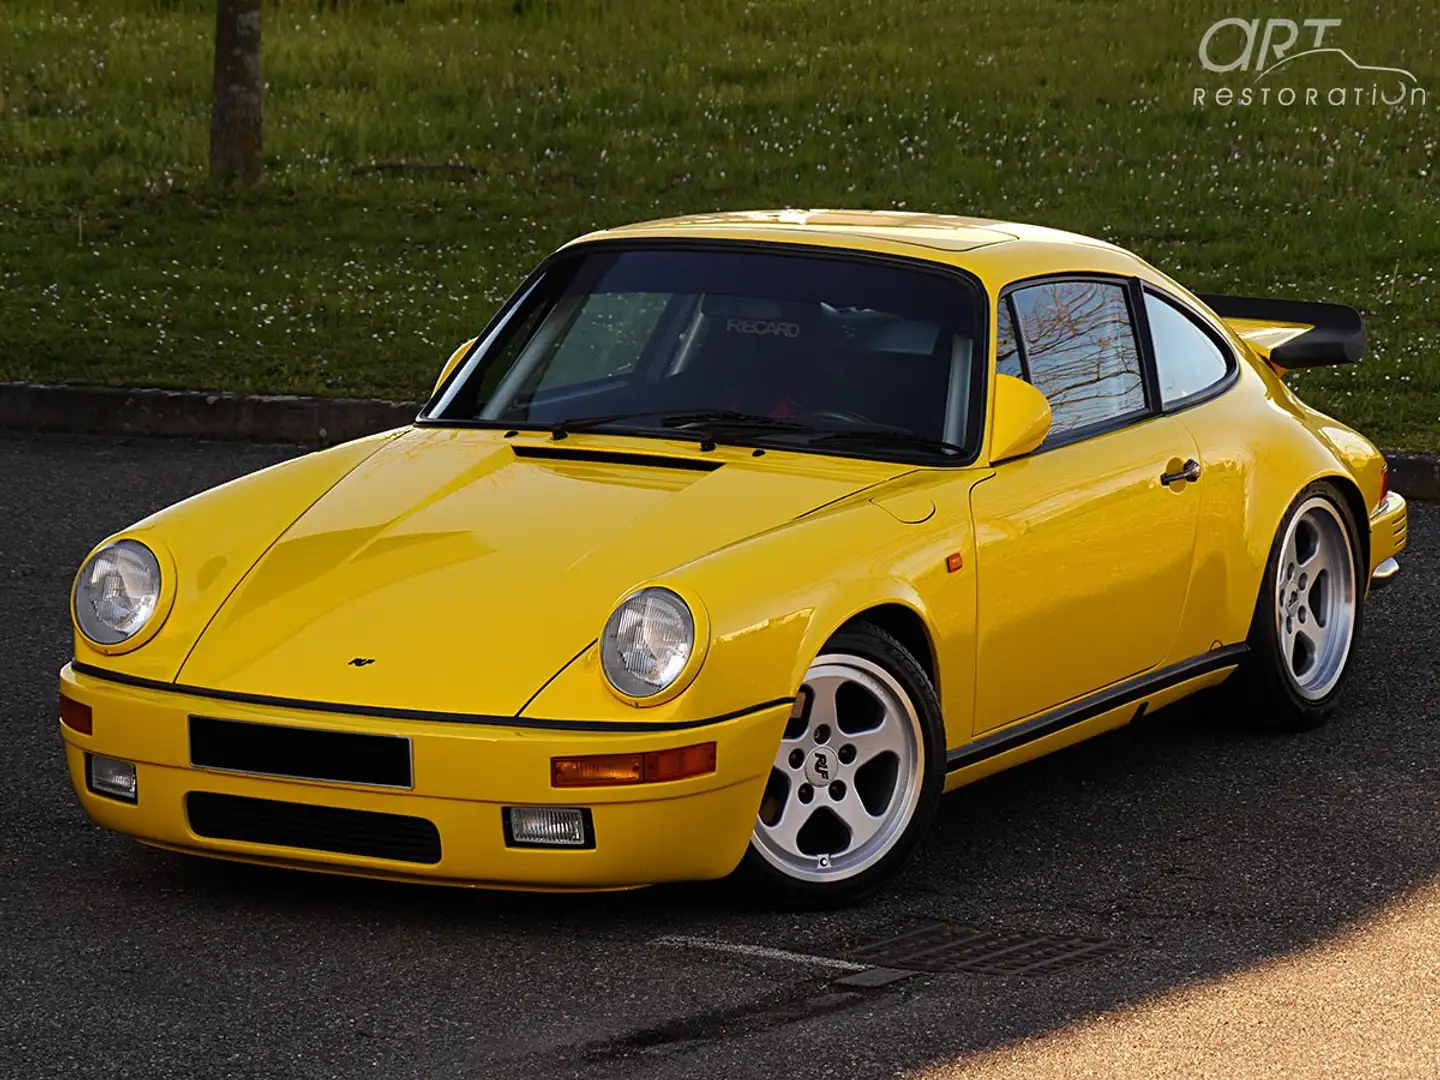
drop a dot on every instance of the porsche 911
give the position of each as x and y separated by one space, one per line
729 546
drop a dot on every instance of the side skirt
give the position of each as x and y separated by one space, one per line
1138 689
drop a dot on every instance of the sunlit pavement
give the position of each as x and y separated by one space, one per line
1271 899
1365 1004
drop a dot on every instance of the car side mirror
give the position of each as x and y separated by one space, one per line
455 358
1022 419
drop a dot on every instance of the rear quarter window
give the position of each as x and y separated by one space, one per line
1187 359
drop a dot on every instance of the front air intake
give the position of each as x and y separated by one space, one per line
316 828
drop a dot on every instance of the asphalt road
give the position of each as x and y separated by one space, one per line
1206 853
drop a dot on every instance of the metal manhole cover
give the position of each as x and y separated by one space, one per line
948 949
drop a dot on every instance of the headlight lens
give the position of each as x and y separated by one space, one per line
117 592
647 642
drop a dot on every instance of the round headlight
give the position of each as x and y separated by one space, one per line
647 642
117 592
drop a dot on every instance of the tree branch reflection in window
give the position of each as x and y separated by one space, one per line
1007 351
1081 351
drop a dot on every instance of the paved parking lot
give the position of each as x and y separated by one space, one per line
1208 855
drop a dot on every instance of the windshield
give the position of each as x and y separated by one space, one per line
801 350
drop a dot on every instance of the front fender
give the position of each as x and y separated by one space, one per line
213 539
774 600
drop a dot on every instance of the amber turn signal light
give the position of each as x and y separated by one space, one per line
76 716
597 770
680 763
608 770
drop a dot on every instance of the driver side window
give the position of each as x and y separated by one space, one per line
1077 346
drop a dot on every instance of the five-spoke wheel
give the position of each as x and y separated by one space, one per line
856 772
1307 619
1315 597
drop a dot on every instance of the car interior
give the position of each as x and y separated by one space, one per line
807 360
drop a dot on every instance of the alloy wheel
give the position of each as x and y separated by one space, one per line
1315 598
846 778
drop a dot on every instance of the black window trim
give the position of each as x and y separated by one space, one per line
1129 285
1227 353
1020 353
979 358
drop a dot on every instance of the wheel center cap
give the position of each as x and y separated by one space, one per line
821 767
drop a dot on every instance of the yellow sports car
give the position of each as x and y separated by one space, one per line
730 545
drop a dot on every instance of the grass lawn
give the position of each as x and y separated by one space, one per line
119 264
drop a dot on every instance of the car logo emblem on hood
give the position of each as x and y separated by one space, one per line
361 661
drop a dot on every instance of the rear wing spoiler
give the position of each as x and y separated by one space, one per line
1292 334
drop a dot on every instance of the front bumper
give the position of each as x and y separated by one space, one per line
463 776
1389 533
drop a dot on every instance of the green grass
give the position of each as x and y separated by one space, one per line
120 264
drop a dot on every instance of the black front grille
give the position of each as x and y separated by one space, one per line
346 757
319 828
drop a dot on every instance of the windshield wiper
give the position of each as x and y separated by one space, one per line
728 418
886 436
700 424
561 428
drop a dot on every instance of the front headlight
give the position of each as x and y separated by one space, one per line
647 642
117 592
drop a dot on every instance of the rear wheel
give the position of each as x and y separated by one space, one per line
1307 621
857 776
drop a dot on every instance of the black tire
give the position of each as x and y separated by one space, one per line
1262 695
758 880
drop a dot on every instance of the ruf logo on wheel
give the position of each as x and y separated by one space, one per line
822 765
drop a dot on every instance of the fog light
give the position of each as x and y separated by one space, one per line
111 777
548 826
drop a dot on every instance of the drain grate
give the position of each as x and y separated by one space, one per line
947 949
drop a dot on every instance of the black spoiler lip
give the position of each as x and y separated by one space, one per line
1337 335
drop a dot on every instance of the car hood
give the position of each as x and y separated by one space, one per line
457 571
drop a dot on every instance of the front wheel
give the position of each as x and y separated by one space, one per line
1307 621
856 780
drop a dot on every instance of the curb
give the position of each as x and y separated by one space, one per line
108 410
1415 475
323 421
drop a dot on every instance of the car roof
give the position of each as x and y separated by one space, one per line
997 251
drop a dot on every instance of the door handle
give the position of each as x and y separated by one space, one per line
1189 471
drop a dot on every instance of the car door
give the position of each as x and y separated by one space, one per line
1083 551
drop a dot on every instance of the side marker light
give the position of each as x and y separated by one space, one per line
76 716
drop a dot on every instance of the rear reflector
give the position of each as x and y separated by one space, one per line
608 770
110 777
548 826
76 716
